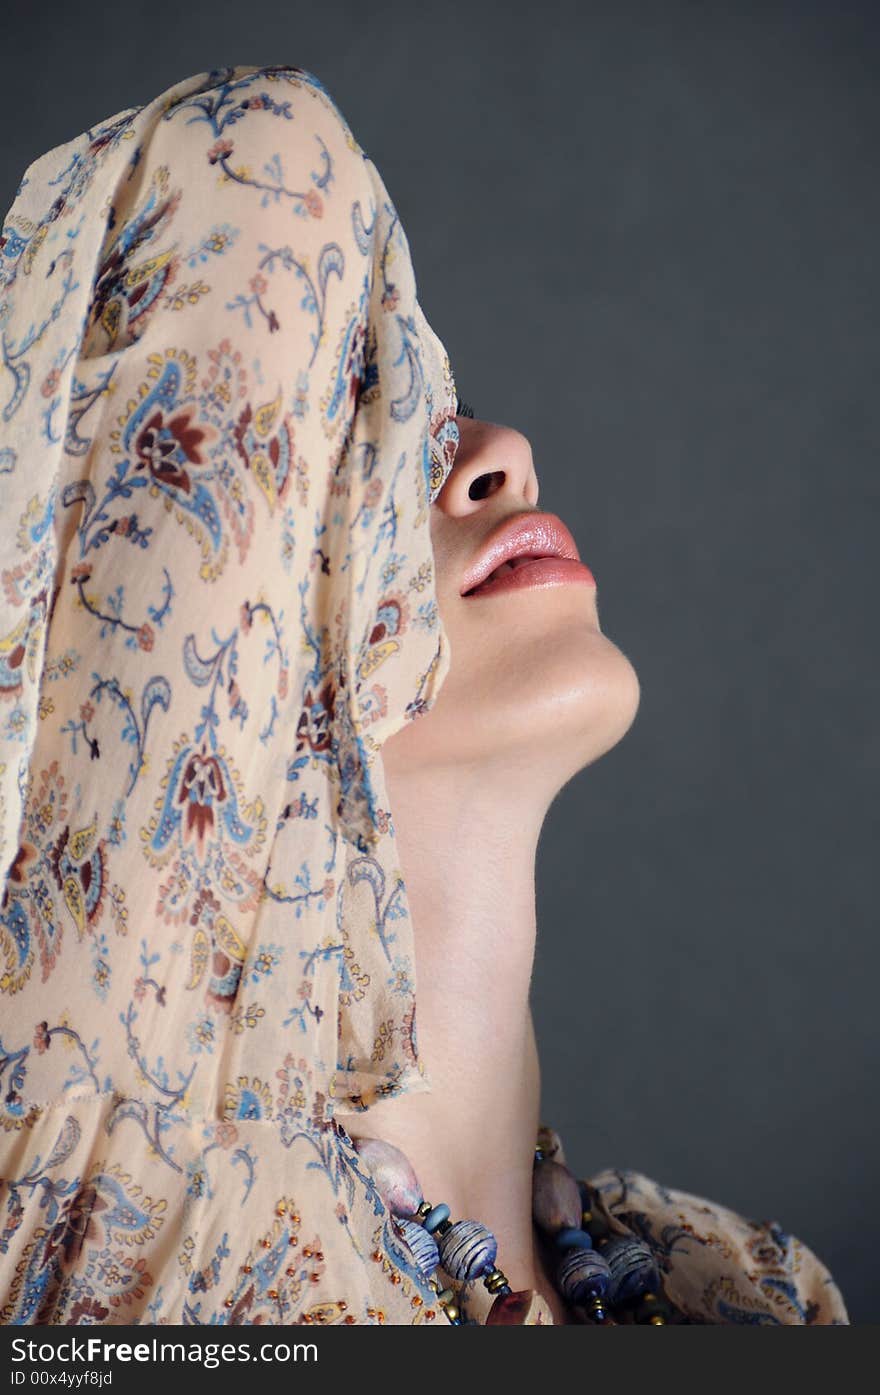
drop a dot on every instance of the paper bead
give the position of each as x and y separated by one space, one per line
422 1245
633 1268
583 1274
467 1249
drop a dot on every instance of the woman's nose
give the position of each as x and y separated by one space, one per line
490 460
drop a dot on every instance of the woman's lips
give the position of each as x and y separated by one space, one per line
531 572
528 548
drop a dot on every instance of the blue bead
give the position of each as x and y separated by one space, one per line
633 1268
569 1238
436 1216
582 1275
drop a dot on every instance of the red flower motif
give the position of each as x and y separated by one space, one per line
314 725
88 1312
26 854
50 383
81 572
42 1039
314 203
202 791
161 443
145 636
226 1134
373 492
220 150
77 1224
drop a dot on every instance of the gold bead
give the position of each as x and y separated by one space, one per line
656 1320
544 1140
451 1312
229 1302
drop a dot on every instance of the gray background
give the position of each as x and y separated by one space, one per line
647 235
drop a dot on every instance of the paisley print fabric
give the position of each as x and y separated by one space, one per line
223 421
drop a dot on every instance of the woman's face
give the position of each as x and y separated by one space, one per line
533 683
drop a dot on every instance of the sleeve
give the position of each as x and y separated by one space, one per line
718 1266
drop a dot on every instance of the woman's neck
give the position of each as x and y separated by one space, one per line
467 846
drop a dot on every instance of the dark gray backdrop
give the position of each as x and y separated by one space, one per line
646 233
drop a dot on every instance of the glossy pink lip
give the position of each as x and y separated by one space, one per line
541 537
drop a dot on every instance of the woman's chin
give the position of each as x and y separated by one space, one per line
541 715
565 711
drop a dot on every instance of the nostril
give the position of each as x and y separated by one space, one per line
484 485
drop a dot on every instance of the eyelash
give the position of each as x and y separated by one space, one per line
462 409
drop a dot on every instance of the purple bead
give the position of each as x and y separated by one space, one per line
422 1245
393 1174
467 1249
583 1274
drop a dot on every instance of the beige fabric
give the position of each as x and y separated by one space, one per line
224 419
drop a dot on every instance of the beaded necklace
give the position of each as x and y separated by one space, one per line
606 1278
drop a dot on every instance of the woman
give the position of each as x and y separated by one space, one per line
247 615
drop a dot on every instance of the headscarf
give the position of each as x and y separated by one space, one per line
221 394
